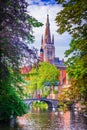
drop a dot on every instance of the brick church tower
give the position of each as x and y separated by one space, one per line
47 51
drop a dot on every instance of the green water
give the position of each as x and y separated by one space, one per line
49 120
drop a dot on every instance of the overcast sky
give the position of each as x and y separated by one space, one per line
39 9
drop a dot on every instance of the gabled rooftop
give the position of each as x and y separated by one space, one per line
59 63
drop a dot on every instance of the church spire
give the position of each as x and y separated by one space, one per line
47 37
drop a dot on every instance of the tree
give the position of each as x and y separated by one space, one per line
45 73
48 73
15 33
73 19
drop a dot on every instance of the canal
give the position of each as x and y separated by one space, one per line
48 120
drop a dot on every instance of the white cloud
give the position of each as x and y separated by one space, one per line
40 13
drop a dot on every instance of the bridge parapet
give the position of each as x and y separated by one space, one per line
52 103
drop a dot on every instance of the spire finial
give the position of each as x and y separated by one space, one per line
47 23
47 11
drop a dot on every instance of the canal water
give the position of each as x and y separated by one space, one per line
48 120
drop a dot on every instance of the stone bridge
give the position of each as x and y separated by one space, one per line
52 103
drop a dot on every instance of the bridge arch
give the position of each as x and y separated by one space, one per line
51 102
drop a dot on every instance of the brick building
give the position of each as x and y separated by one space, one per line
47 53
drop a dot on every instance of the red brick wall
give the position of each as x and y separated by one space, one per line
41 57
62 76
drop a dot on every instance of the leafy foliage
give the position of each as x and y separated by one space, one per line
11 102
15 32
73 19
44 73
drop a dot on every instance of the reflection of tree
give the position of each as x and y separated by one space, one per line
76 121
60 121
49 121
67 120
42 120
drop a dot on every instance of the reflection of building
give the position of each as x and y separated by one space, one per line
47 53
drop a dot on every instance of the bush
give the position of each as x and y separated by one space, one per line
11 103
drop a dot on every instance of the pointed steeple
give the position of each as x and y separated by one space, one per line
47 37
52 39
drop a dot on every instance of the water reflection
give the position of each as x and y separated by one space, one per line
49 120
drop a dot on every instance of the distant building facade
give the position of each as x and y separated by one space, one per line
47 53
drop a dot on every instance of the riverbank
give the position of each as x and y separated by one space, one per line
81 107
77 107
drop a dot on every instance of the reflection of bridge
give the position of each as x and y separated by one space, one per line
52 103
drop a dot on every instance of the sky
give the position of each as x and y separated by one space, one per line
39 10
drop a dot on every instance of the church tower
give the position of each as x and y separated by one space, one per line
47 51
